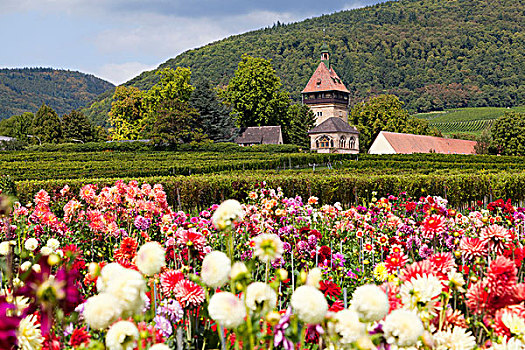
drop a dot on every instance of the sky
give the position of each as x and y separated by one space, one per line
116 40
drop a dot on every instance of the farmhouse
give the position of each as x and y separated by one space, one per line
397 143
260 135
328 98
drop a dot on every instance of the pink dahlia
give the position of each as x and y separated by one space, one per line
168 281
432 226
191 239
496 238
189 294
501 274
473 248
395 261
443 262
417 269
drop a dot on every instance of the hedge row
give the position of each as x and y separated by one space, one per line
200 191
139 146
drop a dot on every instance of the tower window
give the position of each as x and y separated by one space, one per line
319 114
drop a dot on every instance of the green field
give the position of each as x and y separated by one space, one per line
466 120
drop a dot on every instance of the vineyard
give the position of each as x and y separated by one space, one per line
472 126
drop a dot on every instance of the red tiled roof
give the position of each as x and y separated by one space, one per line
324 79
408 143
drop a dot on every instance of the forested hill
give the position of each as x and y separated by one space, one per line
24 90
433 54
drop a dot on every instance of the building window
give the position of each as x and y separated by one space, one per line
324 142
342 142
352 143
319 114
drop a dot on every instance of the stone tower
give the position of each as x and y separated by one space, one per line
325 93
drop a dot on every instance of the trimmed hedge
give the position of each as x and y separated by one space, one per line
200 191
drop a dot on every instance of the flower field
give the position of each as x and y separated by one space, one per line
116 267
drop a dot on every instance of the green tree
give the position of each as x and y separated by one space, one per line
77 126
383 113
127 114
255 94
174 85
484 142
215 117
17 126
47 126
508 134
176 123
301 120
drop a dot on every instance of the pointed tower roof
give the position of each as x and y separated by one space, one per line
325 79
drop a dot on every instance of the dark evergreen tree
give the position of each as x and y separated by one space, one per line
77 126
47 126
301 119
214 117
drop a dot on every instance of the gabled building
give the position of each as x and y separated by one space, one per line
260 135
328 98
398 143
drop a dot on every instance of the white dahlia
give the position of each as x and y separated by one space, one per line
314 277
457 339
260 297
31 244
108 273
101 310
309 304
28 335
4 247
123 335
130 290
268 247
216 267
421 294
402 328
53 244
151 257
239 271
227 213
46 251
25 266
370 303
227 310
160 346
345 324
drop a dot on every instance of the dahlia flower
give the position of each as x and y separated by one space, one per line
53 243
347 326
380 272
239 271
501 274
309 304
168 281
456 339
496 238
151 257
432 226
227 310
4 247
473 248
227 213
402 328
314 277
422 295
122 336
216 267
101 310
108 272
189 294
130 290
31 244
160 347
268 247
370 303
28 336
260 297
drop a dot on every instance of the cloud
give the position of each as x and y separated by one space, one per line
118 73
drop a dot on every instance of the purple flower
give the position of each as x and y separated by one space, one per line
425 251
287 247
338 259
302 247
171 309
312 241
141 223
163 325
280 329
